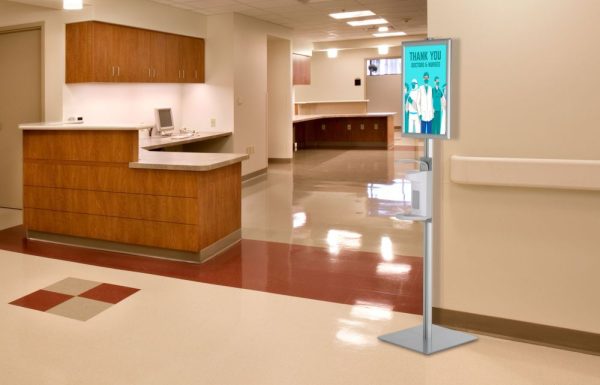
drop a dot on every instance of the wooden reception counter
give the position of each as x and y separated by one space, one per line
94 186
366 130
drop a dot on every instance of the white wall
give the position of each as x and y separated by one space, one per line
524 90
279 78
121 103
250 88
333 79
385 95
214 99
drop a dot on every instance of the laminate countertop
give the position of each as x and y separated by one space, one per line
83 126
156 142
304 118
185 161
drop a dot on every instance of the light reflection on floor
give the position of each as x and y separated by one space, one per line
335 199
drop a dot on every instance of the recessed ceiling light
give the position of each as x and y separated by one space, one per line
332 53
359 23
350 15
72 4
388 34
384 28
383 49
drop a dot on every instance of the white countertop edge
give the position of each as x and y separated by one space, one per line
201 165
82 126
156 142
303 118
333 101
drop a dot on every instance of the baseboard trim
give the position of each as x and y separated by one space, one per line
551 336
254 174
280 160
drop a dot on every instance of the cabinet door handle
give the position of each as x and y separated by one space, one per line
113 70
118 71
184 74
149 73
179 74
196 74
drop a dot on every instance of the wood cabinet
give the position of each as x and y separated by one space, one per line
301 69
349 132
102 52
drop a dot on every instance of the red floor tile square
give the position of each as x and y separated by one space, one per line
41 300
109 293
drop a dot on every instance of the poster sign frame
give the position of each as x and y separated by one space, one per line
408 129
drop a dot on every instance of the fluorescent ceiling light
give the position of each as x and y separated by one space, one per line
383 49
384 28
359 23
351 15
332 53
72 4
388 34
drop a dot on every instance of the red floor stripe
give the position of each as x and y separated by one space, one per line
349 277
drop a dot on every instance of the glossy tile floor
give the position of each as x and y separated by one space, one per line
335 199
320 228
181 332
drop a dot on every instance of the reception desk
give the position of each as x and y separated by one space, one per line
94 186
368 130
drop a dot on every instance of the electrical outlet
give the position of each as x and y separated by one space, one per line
250 150
213 122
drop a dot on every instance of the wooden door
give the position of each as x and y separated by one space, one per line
129 61
172 59
104 54
187 55
198 61
158 57
301 69
78 46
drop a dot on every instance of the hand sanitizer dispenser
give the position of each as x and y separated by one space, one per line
421 199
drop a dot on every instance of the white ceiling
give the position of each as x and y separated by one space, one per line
310 18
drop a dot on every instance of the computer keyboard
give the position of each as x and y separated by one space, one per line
182 136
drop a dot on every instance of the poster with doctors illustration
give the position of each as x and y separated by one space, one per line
426 101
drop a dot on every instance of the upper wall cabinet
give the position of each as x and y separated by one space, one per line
301 65
102 52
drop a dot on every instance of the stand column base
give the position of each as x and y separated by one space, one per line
441 339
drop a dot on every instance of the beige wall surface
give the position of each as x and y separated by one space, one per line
214 98
250 87
333 78
279 90
524 81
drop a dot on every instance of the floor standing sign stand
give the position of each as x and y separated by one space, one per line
428 59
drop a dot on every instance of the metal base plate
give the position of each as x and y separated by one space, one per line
441 339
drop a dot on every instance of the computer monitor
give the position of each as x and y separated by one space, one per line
164 121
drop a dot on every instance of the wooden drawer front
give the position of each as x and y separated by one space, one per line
363 130
156 234
132 206
87 146
113 178
220 203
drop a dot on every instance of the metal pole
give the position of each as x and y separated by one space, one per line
427 259
427 338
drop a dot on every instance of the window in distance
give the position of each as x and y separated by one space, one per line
384 66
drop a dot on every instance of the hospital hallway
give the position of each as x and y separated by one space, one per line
323 269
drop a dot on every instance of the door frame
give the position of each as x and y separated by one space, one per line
36 26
